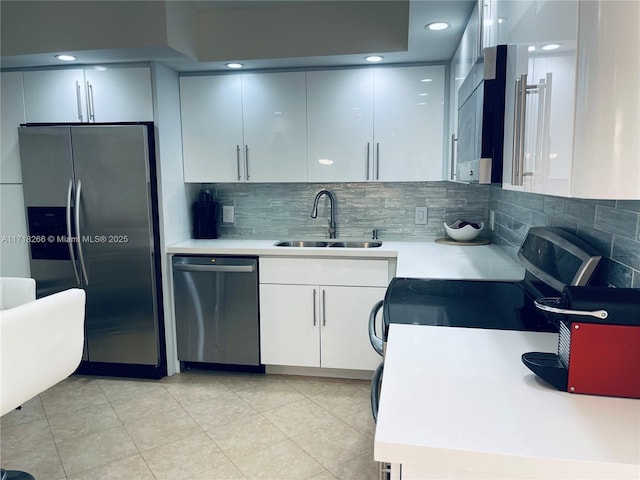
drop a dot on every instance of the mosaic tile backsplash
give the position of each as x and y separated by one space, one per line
282 211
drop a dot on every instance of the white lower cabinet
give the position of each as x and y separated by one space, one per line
305 322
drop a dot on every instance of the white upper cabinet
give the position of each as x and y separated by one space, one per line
340 125
88 95
408 124
540 94
119 94
55 96
275 135
576 128
12 115
239 128
383 124
212 140
606 152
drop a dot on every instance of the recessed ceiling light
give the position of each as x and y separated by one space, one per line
437 26
374 58
427 80
551 46
100 68
66 58
234 65
531 48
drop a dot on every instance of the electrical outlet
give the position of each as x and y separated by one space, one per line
420 216
228 214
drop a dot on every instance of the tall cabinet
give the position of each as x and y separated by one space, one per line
14 251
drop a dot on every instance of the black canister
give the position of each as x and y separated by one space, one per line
205 215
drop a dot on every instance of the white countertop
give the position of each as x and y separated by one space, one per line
460 403
414 259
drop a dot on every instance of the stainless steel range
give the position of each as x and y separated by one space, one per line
552 258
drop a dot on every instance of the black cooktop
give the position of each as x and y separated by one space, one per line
463 303
552 258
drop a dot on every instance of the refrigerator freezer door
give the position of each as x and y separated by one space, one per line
115 228
47 171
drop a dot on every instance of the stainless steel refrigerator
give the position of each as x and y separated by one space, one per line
90 194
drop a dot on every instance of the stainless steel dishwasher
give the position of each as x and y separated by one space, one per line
216 308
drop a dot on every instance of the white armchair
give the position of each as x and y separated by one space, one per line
41 341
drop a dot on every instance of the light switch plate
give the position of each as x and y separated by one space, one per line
228 214
420 216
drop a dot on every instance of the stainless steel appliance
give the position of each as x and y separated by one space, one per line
216 308
552 259
481 104
91 201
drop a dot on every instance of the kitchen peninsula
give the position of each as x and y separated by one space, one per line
459 403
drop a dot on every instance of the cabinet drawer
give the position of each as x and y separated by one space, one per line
333 271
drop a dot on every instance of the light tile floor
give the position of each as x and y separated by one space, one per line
195 425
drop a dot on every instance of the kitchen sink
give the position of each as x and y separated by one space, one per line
300 243
330 244
355 244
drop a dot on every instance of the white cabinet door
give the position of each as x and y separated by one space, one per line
409 123
546 126
275 127
212 138
606 157
119 94
340 125
345 316
55 96
553 106
12 115
289 325
14 254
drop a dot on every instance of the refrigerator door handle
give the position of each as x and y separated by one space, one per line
79 242
69 237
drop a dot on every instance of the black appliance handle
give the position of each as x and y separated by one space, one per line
375 391
376 342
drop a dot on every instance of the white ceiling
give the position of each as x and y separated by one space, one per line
423 45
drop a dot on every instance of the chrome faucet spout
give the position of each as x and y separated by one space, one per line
332 207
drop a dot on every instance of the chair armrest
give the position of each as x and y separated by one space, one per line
41 344
15 291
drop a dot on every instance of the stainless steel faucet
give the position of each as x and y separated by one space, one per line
332 204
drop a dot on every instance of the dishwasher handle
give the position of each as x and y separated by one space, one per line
215 268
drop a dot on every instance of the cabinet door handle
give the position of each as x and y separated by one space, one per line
90 105
518 131
378 161
324 310
78 101
454 141
315 318
238 161
246 162
367 164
